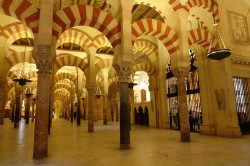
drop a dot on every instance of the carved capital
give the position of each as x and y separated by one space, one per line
44 56
124 71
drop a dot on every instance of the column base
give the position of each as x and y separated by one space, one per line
185 137
225 132
124 146
231 132
39 156
207 130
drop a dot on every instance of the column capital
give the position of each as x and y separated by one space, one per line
124 71
44 56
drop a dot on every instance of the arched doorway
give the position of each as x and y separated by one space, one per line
141 116
136 120
146 117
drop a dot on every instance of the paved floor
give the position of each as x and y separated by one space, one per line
70 145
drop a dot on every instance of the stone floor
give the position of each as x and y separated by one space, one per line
71 145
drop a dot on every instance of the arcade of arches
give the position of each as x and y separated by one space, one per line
109 60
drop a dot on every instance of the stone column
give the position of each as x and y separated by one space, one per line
33 109
124 73
105 96
18 91
117 117
219 115
42 113
91 91
181 73
162 104
13 106
3 97
27 109
153 94
91 79
72 97
44 54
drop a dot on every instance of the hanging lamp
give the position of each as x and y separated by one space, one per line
28 92
98 91
22 79
169 73
221 52
192 60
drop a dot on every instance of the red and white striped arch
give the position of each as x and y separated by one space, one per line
153 7
202 23
201 37
60 85
14 58
205 4
60 94
145 46
105 63
147 67
83 39
62 75
64 81
12 75
74 36
23 11
15 31
158 30
85 15
62 91
69 60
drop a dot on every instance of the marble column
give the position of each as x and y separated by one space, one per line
162 104
181 73
18 91
33 109
44 54
105 96
27 109
13 106
124 73
3 97
91 91
117 117
42 114
219 115
72 96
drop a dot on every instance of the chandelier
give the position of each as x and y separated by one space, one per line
98 92
28 91
22 77
169 74
221 52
